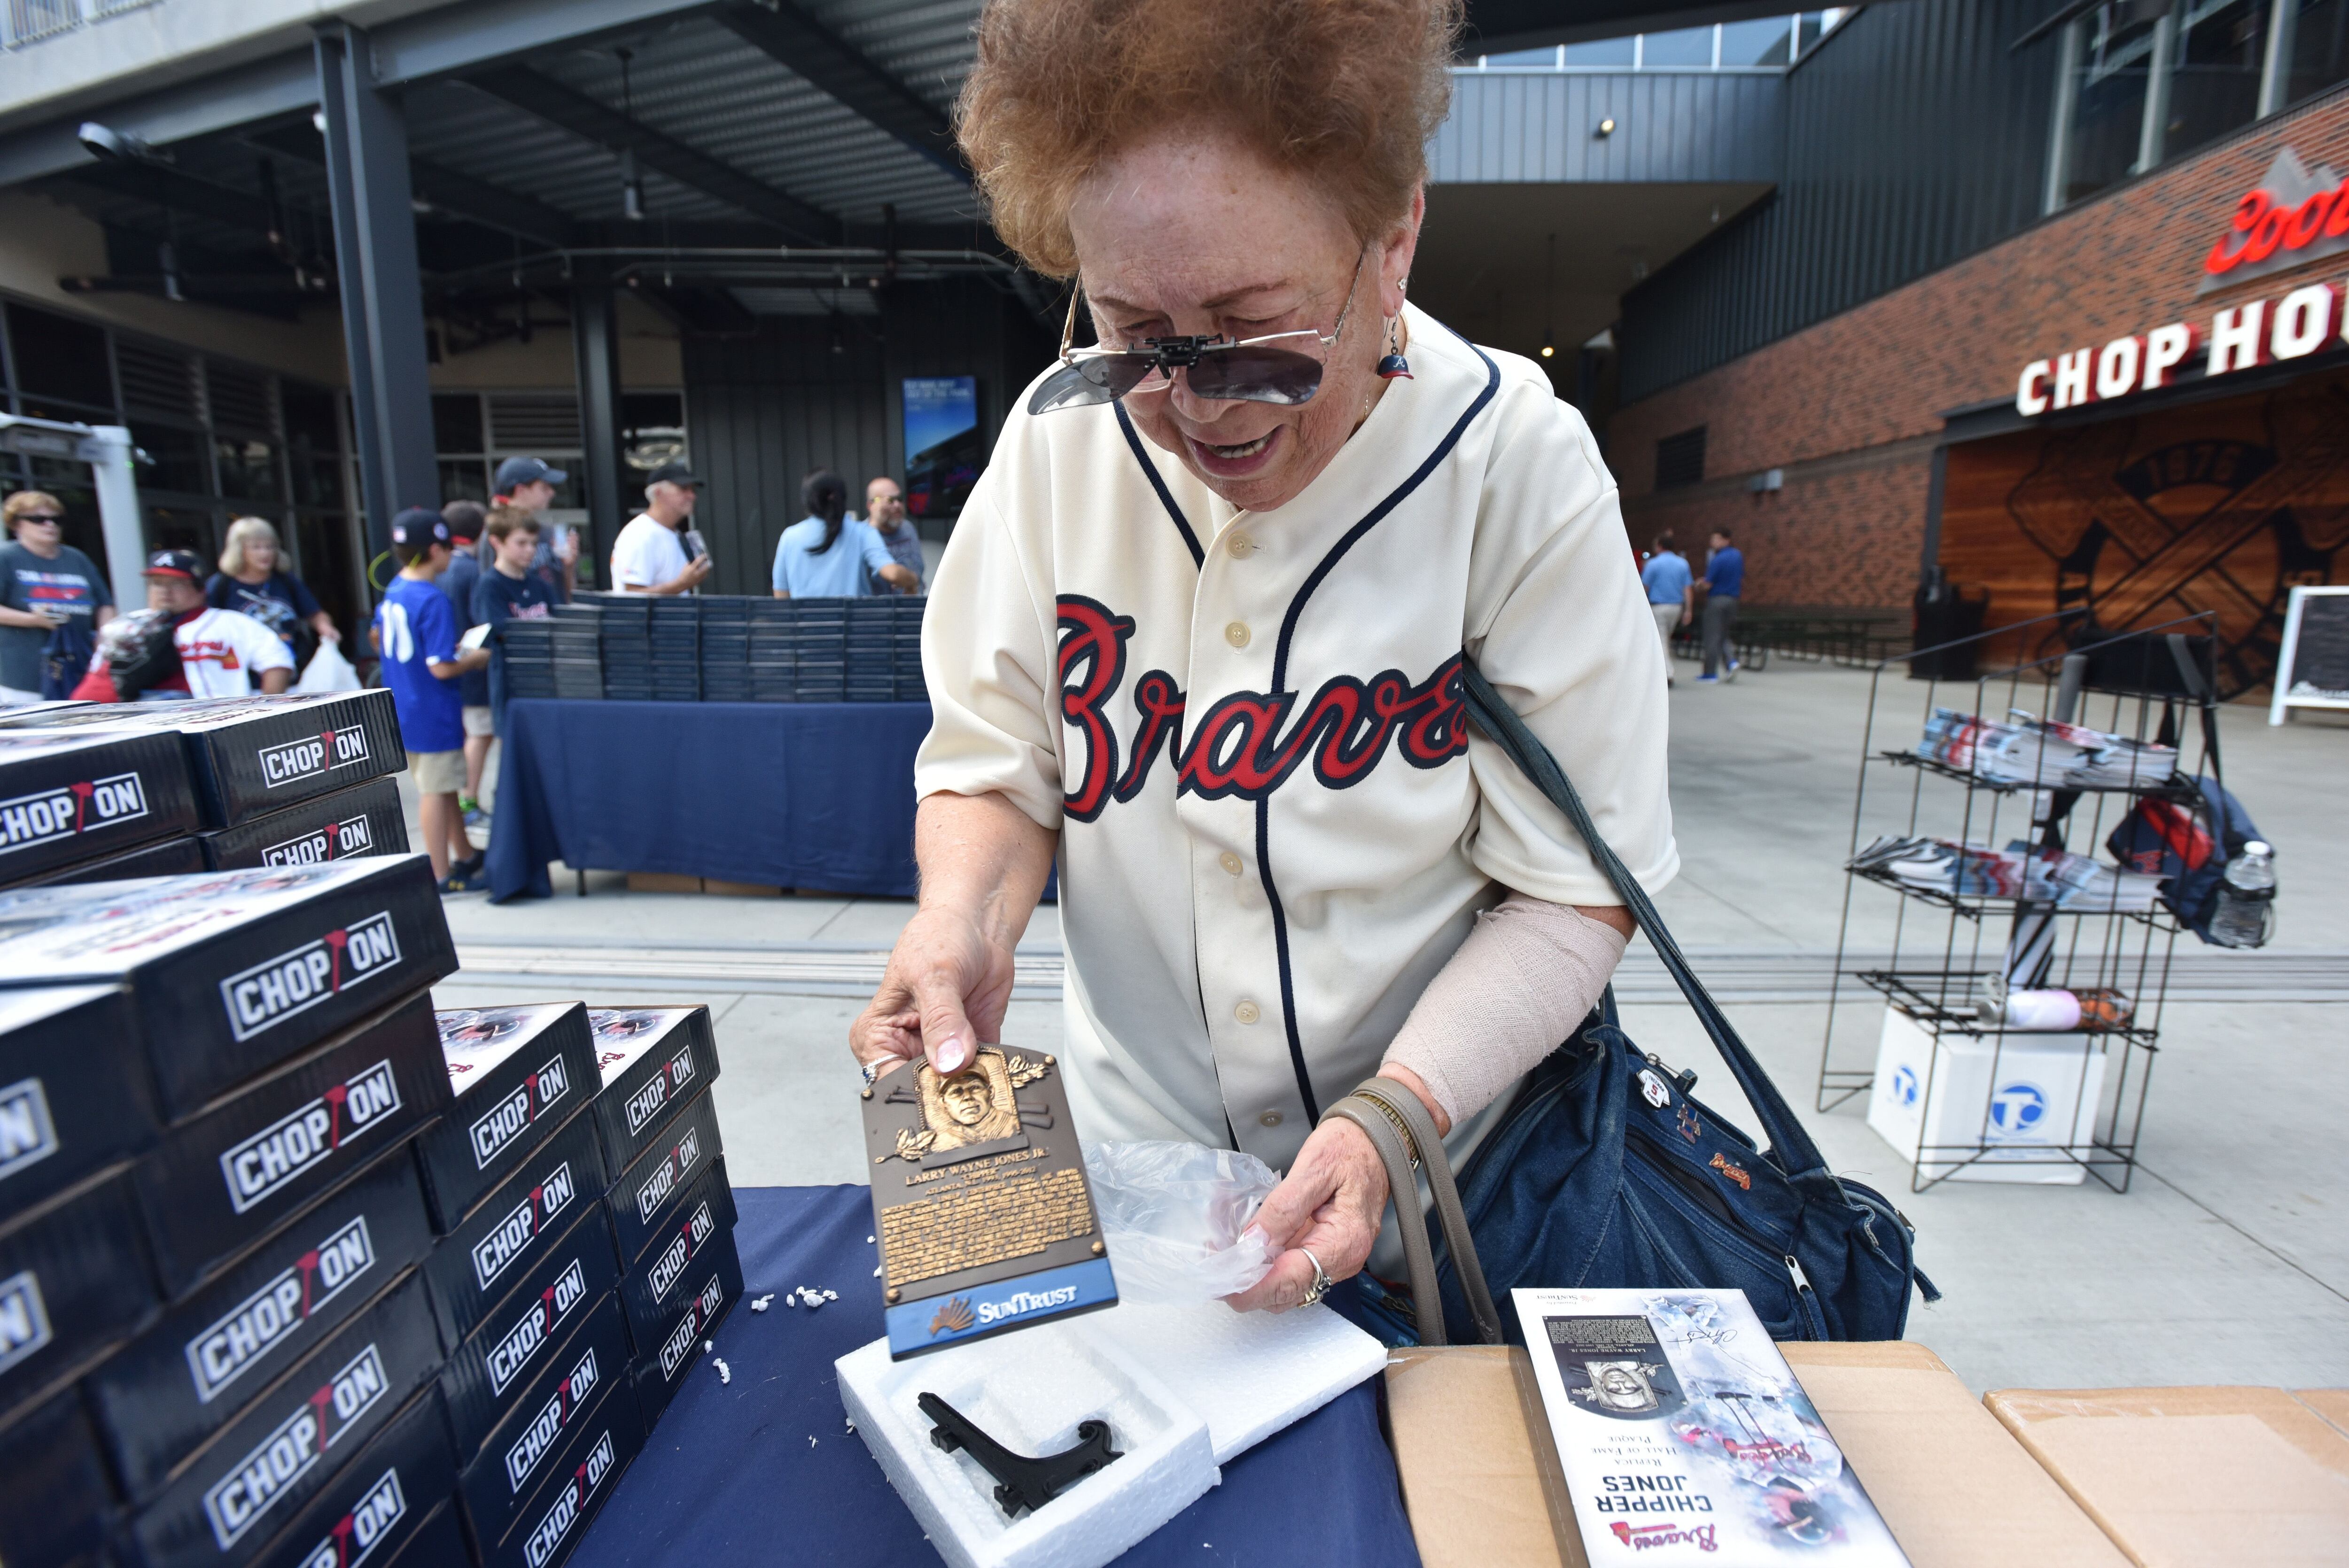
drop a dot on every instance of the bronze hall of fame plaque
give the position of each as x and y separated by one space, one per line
979 1201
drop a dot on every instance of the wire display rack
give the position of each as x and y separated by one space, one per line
1925 1012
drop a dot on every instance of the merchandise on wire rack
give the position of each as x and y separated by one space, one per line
2069 882
2043 753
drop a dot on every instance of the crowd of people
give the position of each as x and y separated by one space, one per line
1674 591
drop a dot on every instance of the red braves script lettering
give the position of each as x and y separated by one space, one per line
513 1351
24 1318
261 1166
1238 746
671 1172
312 755
334 842
356 1534
48 815
220 1355
1640 1537
28 1136
538 1437
275 990
547 1535
514 1233
237 1501
506 1120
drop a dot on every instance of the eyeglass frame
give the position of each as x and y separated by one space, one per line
1190 348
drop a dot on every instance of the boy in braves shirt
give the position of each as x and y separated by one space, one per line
214 653
415 633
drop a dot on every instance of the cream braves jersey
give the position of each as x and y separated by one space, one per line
1276 823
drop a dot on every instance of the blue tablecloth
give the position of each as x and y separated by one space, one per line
729 1476
811 795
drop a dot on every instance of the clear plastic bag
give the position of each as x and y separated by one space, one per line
1173 1214
327 670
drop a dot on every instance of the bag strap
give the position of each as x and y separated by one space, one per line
1403 1133
1789 1144
1419 1258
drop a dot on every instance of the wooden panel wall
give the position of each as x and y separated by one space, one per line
2142 519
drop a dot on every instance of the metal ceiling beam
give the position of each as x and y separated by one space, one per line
792 39
453 192
1497 26
163 186
567 109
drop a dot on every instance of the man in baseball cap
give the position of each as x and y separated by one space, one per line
530 483
416 631
649 556
211 652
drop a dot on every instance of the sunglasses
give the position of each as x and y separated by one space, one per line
1219 368
39 517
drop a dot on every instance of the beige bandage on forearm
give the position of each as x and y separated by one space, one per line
1527 974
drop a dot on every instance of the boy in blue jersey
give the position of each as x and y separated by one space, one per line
415 633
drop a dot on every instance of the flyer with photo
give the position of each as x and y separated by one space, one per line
1684 1437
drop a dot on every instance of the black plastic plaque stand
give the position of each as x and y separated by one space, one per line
1025 1483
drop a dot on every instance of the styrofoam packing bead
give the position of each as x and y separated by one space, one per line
762 1303
725 1373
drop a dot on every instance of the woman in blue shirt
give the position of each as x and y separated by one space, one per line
824 555
249 582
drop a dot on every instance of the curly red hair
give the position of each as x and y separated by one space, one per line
1345 91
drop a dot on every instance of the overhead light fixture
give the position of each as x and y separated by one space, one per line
110 146
1549 300
1606 129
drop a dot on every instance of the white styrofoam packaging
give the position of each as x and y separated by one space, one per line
1029 1391
2024 1097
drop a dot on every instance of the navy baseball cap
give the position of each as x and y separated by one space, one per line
181 563
675 474
516 472
419 525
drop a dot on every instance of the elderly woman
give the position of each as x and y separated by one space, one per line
250 582
1201 625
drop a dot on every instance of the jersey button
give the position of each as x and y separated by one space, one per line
1229 861
1236 634
1246 1012
1270 1119
1238 543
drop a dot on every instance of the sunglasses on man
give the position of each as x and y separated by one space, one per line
1219 368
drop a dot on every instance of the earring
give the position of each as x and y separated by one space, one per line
1392 364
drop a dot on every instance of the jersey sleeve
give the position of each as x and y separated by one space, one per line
990 654
1560 626
432 621
256 644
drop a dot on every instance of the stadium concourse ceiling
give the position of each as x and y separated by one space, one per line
677 144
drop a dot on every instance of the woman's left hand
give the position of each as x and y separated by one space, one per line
1331 1202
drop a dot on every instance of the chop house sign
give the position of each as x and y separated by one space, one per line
2293 217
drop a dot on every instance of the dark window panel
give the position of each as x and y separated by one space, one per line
57 356
1679 459
248 470
184 527
330 568
457 423
464 478
2320 48
179 462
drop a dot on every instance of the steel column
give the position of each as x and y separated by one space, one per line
383 296
2153 130
595 360
2275 65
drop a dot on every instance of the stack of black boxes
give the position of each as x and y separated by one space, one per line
905 649
80 806
626 623
820 646
726 648
774 653
715 648
677 648
553 656
871 649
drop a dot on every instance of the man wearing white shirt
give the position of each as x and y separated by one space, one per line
218 653
649 555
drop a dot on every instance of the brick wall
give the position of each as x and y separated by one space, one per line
1849 408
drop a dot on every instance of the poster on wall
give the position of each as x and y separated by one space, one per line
944 447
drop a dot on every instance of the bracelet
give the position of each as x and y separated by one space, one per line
1395 1118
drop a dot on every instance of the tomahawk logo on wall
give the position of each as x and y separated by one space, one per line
2295 216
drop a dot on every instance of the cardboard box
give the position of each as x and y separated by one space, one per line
260 1471
164 858
711 1288
514 1226
73 1089
518 1074
68 797
364 820
2028 1102
234 971
218 1184
73 1285
2193 1475
550 1526
377 1500
649 1191
652 1061
486 1373
438 1543
2333 1404
249 756
57 1506
158 1399
651 1287
1955 1488
527 1445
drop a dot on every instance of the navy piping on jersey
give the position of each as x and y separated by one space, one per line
1279 672
1133 440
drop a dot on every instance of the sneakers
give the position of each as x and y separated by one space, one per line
1734 668
474 816
1708 680
472 877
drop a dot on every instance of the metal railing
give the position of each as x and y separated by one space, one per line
31 21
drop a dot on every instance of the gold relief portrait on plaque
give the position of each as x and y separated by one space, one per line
976 1105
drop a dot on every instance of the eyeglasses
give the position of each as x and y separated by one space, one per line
39 517
1222 369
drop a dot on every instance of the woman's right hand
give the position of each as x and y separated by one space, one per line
944 993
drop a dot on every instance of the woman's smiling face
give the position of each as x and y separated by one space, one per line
1189 233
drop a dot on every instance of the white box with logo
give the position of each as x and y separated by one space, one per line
2025 1098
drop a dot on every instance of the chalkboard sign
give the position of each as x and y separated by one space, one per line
2313 668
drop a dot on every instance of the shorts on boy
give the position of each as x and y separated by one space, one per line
479 720
438 772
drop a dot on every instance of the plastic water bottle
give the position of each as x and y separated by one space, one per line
2246 898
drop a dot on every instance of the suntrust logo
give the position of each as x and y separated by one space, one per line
48 815
1021 1303
295 982
312 755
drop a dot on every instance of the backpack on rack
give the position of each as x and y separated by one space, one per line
1605 1172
